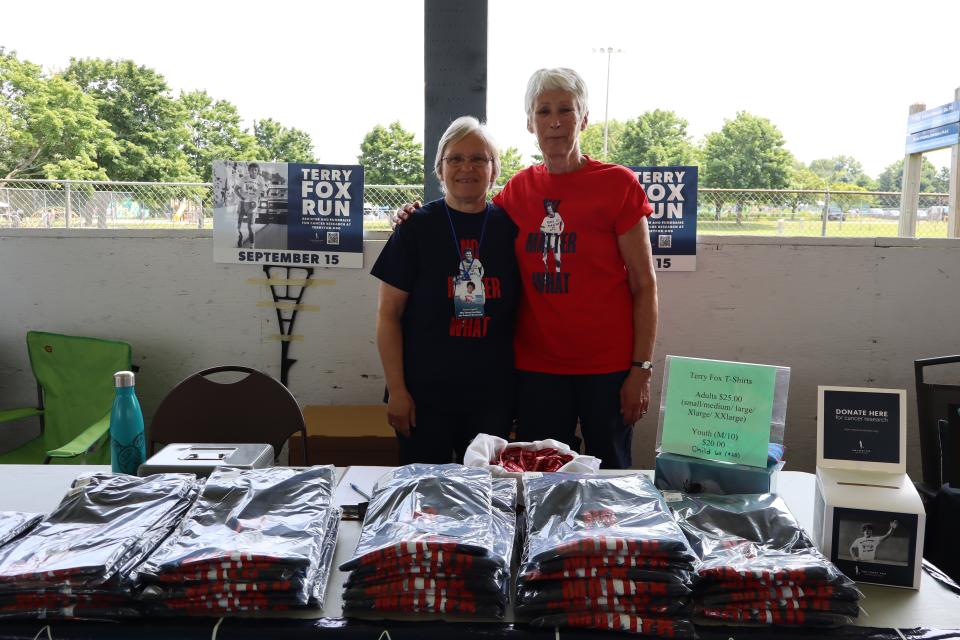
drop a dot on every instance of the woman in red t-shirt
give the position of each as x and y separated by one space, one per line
587 319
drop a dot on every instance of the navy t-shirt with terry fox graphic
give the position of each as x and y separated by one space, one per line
459 319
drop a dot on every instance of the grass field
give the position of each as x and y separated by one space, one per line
851 228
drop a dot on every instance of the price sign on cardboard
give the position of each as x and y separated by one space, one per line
716 410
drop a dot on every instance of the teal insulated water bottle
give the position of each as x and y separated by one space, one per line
128 446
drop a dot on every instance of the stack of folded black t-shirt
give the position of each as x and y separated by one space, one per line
604 552
436 539
759 567
77 562
255 540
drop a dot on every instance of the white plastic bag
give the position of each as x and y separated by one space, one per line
485 448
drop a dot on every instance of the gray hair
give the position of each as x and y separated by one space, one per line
557 79
457 131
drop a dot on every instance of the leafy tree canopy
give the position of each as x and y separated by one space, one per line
216 133
841 170
48 127
591 139
283 144
390 155
510 163
149 124
655 138
748 153
931 180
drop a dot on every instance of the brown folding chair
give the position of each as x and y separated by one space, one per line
256 408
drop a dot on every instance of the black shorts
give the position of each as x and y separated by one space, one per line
550 405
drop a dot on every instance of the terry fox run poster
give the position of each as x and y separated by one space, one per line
672 192
288 214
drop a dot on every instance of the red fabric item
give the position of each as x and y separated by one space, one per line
516 458
651 626
576 314
607 546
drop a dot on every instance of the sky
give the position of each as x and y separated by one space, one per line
836 77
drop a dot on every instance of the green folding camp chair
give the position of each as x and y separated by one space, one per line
75 390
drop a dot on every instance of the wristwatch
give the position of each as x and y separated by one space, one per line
646 364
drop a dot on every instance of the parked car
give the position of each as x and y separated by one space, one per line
835 213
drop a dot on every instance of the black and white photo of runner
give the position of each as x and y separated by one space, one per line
879 547
249 189
250 204
879 540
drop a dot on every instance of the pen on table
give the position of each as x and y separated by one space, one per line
360 491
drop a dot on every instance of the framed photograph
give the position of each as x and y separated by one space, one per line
862 429
875 546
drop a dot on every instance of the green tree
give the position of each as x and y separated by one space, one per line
149 124
391 156
216 133
48 127
283 144
841 169
843 195
930 180
510 163
802 178
655 138
747 153
591 139
942 183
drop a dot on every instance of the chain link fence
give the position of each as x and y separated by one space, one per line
815 213
63 204
86 204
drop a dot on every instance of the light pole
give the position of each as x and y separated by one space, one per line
606 109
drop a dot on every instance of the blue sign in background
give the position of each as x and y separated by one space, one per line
672 191
931 139
325 206
932 118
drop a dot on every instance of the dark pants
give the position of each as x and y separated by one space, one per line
549 406
442 436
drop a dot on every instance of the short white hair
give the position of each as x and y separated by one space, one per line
557 79
457 131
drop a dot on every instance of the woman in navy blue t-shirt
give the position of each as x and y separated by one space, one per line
448 296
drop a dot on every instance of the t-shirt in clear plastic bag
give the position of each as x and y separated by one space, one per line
604 552
95 528
763 519
422 507
92 543
438 577
759 567
586 515
266 526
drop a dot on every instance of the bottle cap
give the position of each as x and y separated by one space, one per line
123 379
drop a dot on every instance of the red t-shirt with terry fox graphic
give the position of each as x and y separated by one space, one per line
576 311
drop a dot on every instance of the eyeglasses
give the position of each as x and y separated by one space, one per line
477 162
